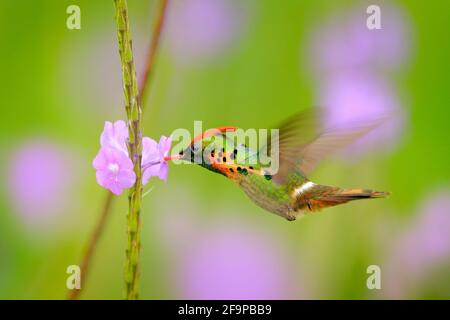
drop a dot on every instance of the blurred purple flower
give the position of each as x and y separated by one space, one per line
153 158
213 258
233 263
344 42
433 236
201 29
348 59
41 178
422 246
361 98
114 170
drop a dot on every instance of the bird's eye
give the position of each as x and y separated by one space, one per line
195 148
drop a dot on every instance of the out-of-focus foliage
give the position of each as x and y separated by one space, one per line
227 62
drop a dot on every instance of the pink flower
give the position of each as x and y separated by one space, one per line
115 136
114 167
153 158
114 170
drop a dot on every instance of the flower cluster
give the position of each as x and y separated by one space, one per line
114 166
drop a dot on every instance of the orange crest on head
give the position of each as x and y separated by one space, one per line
212 132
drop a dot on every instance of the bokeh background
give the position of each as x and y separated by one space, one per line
248 63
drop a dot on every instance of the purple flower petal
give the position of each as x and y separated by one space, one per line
115 136
164 145
150 154
153 155
163 171
114 170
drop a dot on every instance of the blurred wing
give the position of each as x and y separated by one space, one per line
299 129
328 143
294 132
301 146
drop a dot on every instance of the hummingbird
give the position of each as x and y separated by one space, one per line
287 192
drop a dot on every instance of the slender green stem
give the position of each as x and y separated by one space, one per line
134 112
145 79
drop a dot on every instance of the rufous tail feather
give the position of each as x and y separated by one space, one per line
319 197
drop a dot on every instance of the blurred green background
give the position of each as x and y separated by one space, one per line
244 63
